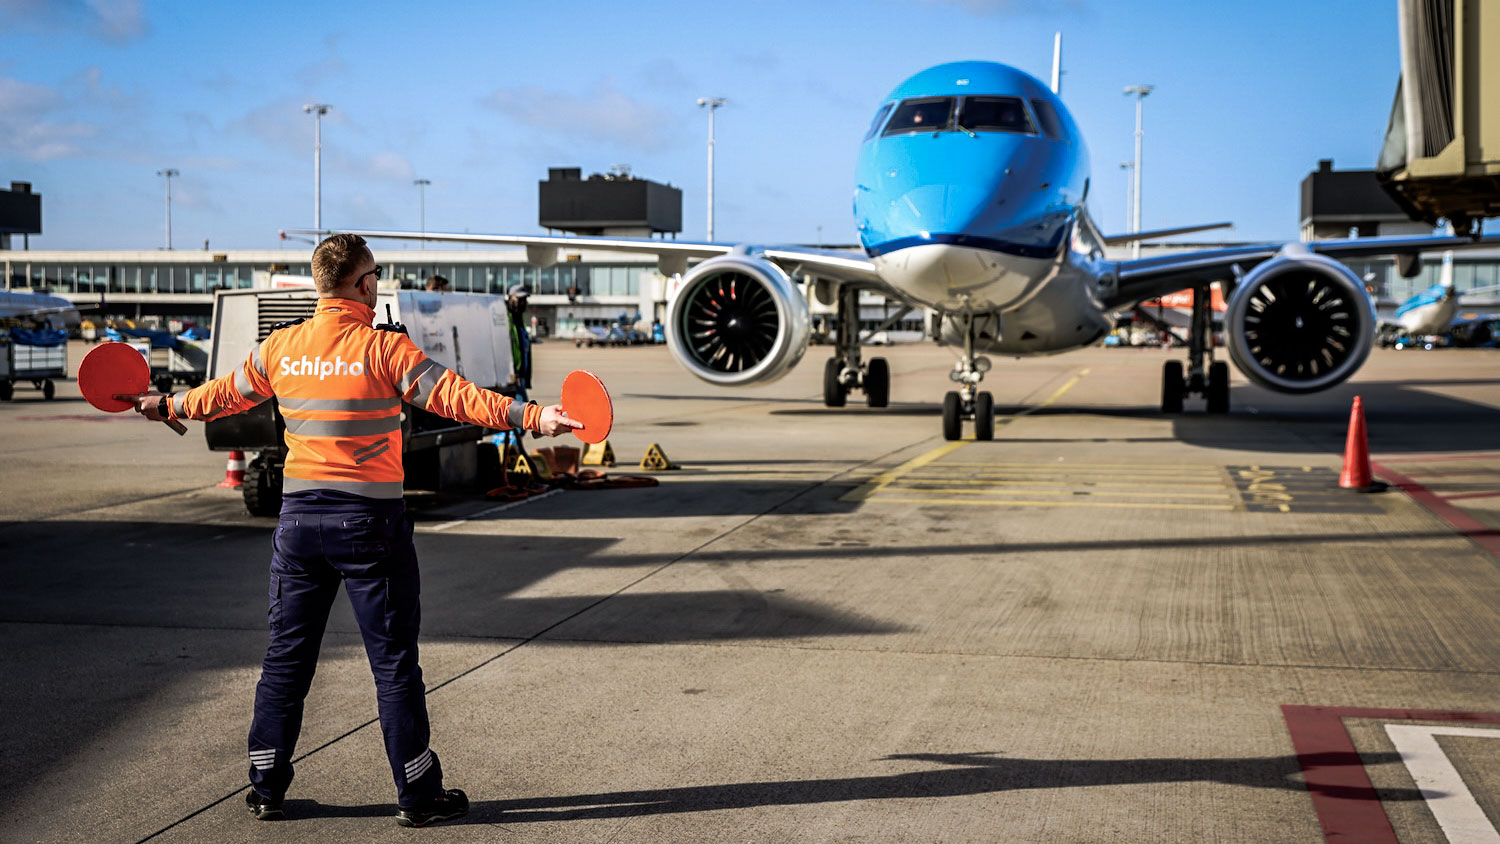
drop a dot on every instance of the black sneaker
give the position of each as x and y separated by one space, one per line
444 807
264 808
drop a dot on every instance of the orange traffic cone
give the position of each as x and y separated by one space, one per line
234 472
1356 475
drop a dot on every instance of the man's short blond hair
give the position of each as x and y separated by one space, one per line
336 257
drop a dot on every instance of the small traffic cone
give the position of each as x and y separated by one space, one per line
234 471
1356 476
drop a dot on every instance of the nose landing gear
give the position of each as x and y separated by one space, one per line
967 402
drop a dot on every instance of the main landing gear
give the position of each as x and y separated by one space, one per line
844 372
1212 384
967 402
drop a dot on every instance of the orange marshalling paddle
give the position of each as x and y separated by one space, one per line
116 368
585 399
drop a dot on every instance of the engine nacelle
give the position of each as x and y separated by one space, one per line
1299 323
738 320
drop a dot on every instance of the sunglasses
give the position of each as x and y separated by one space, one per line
378 272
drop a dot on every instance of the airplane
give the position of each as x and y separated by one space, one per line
1431 311
53 311
970 198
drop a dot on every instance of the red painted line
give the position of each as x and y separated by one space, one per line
1480 494
1440 458
1482 470
1475 530
1347 804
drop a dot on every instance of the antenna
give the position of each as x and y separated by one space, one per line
1057 63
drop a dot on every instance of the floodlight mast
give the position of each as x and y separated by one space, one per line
1140 92
712 104
317 110
422 202
169 173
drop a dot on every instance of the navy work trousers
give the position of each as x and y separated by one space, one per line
368 548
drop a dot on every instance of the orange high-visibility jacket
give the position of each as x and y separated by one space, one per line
340 385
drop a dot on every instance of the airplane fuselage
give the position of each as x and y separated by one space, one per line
970 198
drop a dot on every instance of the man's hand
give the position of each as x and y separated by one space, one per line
146 404
554 421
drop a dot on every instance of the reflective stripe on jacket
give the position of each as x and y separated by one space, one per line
340 385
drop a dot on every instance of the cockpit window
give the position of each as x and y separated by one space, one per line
1046 115
879 119
927 114
994 114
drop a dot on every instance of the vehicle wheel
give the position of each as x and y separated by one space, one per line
833 389
984 417
262 489
953 416
1171 387
7 389
878 383
164 384
195 381
49 389
1218 387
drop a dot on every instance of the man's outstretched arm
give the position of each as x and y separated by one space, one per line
235 392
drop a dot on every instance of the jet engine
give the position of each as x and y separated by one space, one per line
737 320
1299 323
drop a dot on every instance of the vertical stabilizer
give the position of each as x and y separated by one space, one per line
1057 63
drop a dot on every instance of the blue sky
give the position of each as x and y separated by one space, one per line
97 95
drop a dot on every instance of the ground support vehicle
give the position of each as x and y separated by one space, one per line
36 364
468 333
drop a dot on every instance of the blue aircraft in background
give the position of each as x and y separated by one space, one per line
970 198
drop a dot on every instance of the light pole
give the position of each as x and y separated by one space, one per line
712 104
317 110
169 173
1128 166
1140 92
422 202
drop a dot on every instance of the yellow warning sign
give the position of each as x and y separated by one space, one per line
531 464
657 459
599 454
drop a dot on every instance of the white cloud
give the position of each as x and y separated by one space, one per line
28 127
111 20
607 114
388 165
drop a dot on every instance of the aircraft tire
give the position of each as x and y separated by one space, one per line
834 393
953 419
1172 387
1218 387
49 389
7 389
878 383
984 417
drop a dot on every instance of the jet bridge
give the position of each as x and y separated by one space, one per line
1441 157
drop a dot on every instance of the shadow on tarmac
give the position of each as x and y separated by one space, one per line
1401 417
969 774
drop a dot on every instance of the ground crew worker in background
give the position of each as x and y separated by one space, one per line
520 339
436 284
340 385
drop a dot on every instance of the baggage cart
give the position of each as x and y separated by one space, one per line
35 364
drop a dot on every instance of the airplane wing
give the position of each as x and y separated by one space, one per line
1147 278
672 255
1118 239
